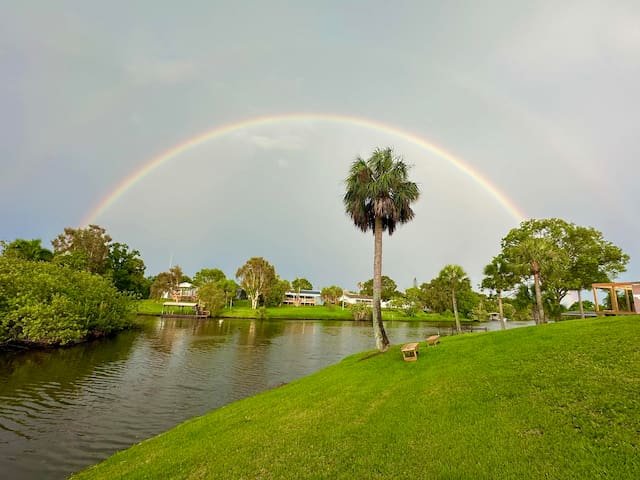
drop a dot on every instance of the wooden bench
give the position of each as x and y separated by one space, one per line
410 352
433 340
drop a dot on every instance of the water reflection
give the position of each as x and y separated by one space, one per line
62 410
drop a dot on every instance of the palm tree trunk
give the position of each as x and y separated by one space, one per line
536 282
580 302
382 342
501 311
455 310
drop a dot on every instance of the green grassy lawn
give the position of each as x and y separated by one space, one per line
557 401
243 310
149 306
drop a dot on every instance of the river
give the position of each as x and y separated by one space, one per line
62 410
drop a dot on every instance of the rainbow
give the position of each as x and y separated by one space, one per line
216 132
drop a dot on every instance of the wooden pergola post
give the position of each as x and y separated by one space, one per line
626 294
614 300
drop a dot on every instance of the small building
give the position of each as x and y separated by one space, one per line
630 291
351 298
184 292
303 297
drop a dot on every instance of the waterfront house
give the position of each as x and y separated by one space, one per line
350 298
302 297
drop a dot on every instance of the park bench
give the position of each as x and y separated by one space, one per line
410 352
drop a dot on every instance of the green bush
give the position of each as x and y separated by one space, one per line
361 311
212 296
48 303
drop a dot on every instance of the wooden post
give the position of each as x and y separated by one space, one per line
595 299
614 300
626 294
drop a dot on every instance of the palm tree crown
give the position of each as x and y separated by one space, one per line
379 187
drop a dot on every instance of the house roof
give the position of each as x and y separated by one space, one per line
357 295
304 292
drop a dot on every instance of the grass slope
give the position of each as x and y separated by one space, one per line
556 401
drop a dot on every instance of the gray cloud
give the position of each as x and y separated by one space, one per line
538 97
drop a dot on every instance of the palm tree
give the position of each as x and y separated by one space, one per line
531 253
454 277
378 197
498 277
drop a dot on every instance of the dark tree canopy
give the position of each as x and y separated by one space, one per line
27 250
127 270
380 188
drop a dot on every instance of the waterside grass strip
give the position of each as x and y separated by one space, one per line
552 401
154 307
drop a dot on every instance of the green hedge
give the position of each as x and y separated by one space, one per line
49 304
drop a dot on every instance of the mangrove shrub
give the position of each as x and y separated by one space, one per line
50 304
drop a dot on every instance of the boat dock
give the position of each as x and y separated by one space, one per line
183 310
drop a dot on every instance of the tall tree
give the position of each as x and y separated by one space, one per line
27 250
256 276
166 282
208 275
275 293
230 289
331 295
499 278
301 284
88 247
560 257
534 250
389 288
127 269
592 259
212 297
455 278
378 197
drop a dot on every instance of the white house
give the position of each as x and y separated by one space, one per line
351 298
303 297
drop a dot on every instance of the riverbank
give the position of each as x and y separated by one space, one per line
288 312
552 401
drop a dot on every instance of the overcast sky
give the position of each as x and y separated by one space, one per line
540 98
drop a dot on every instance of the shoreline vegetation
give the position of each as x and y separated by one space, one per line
550 401
44 304
288 312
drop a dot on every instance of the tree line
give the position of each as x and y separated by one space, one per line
539 263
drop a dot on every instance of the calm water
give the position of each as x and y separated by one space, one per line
65 409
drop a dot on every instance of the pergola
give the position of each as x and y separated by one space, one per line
631 292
